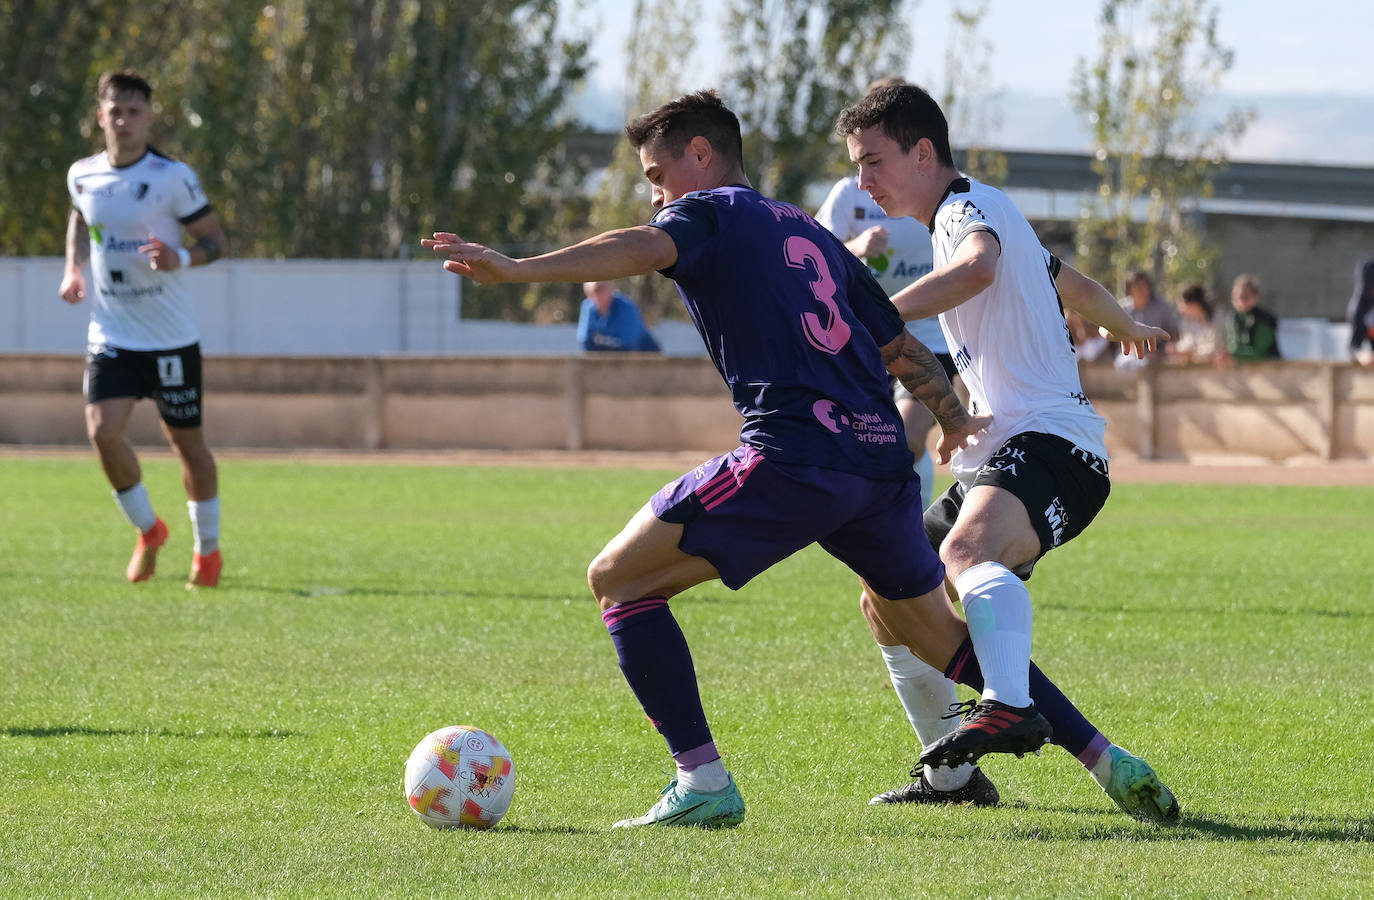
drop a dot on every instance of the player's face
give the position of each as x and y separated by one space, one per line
126 119
670 177
890 176
1243 299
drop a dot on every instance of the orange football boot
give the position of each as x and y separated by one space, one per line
205 570
143 563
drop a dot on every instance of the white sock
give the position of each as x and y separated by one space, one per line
137 507
925 468
1101 771
205 524
707 778
998 609
926 695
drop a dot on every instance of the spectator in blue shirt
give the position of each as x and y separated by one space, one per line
610 321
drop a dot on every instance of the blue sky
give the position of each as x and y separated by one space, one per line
1308 71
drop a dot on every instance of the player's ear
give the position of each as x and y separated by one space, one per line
925 151
701 151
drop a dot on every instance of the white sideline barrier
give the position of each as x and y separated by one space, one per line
256 307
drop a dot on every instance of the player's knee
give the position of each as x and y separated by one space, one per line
959 553
599 579
101 432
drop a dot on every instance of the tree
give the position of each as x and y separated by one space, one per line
1155 158
661 41
969 107
794 64
333 128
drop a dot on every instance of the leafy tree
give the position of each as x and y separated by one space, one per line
1158 61
331 128
662 37
968 105
794 64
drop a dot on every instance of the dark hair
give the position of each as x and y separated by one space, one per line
905 112
675 123
889 81
1139 275
112 84
1196 293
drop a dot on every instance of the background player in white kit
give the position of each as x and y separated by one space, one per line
130 205
1038 475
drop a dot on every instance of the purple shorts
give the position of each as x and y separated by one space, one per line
742 514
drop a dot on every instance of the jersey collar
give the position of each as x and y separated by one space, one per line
959 185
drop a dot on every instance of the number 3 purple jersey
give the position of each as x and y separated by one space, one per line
794 323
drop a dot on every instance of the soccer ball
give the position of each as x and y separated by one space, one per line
460 777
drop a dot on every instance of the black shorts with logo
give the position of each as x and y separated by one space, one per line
1063 487
170 377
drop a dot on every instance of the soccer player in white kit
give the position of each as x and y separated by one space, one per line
1038 475
130 204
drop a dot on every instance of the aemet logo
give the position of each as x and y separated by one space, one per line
116 245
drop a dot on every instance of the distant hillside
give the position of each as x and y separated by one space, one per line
1329 129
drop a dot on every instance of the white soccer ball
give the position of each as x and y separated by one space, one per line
460 777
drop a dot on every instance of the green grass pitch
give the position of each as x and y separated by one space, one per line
250 741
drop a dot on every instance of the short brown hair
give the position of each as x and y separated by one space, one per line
112 84
699 114
906 114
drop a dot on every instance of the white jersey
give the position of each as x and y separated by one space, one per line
135 307
849 211
1010 342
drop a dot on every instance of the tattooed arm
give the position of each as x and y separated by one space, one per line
921 374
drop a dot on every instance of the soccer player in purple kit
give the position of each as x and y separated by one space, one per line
804 338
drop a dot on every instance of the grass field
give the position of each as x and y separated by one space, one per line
250 740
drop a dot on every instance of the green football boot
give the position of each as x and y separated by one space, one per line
1137 790
683 807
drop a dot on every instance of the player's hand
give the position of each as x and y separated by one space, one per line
161 256
482 264
1139 338
73 287
951 441
871 242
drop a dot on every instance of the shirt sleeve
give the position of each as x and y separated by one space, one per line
961 218
871 305
691 222
188 200
584 325
837 215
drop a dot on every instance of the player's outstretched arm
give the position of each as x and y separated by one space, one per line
970 271
1095 303
73 287
921 374
606 257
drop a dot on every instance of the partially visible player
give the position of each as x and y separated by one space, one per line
897 250
804 339
130 205
1038 476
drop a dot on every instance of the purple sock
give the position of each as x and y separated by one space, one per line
657 664
1072 730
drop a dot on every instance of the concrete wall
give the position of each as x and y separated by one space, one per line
1278 411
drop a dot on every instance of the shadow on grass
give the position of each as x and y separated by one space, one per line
334 590
46 731
1210 611
533 829
1326 829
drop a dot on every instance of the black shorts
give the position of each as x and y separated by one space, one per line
170 377
1062 487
